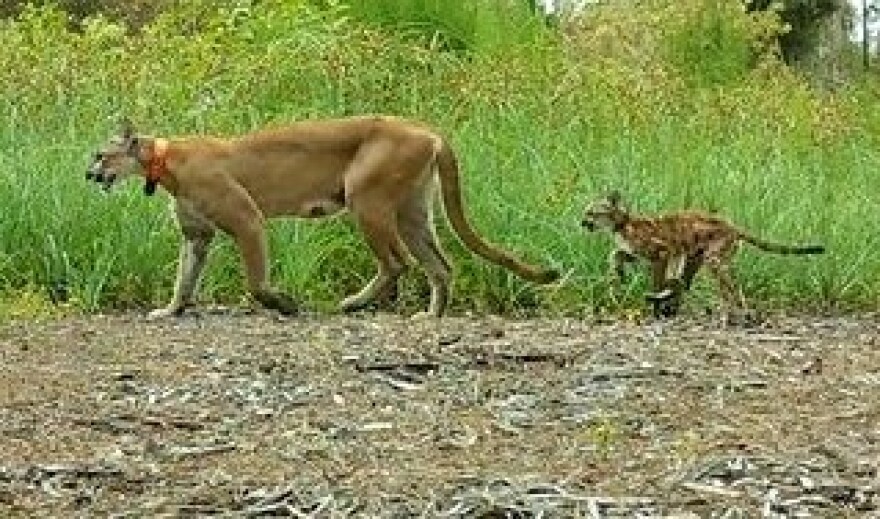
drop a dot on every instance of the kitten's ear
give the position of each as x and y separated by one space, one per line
134 146
614 198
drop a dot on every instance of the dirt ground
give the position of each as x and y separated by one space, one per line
249 414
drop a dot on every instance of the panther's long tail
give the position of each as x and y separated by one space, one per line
447 167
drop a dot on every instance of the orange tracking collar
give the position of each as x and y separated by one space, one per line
157 166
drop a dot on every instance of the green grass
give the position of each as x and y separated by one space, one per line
542 123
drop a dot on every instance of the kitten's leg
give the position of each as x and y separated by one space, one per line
680 281
617 261
691 267
661 291
734 307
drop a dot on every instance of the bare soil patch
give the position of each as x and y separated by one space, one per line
379 416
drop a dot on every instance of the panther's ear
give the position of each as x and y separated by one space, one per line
129 136
126 128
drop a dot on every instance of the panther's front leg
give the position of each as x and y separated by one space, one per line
191 262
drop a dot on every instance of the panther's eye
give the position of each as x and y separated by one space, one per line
99 156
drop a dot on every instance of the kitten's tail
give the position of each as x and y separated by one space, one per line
780 248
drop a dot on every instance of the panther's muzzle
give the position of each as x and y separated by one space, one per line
97 174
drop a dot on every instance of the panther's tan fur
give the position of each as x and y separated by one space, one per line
381 169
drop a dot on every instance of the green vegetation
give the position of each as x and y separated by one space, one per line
682 105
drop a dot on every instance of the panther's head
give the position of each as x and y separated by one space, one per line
118 157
